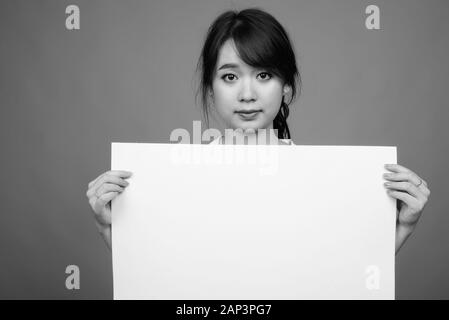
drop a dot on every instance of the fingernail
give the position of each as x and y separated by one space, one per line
387 184
387 166
386 175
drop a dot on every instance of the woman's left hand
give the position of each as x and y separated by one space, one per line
412 193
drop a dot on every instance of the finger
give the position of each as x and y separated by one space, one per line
104 188
426 191
401 169
405 197
108 187
397 168
119 173
92 202
101 202
94 190
403 176
110 179
408 187
96 179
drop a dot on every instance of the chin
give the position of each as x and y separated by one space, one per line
245 126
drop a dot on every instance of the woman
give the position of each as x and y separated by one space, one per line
248 69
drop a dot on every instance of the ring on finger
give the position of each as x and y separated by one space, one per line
420 182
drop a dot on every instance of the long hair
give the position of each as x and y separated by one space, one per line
261 42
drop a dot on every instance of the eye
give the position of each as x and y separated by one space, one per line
229 77
265 75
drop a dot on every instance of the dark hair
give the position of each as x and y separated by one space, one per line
261 42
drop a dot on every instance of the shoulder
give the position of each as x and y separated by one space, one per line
287 141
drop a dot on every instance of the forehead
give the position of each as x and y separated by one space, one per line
228 54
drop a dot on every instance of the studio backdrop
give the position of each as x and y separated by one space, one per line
127 74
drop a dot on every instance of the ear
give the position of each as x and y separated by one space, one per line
286 89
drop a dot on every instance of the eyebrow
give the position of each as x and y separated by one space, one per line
229 66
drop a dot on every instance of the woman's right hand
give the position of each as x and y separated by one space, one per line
100 193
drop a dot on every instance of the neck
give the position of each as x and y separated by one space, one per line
265 136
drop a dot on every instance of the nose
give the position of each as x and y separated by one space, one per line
247 92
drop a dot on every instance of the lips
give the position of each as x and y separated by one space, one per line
251 111
248 115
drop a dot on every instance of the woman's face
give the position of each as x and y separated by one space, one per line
239 88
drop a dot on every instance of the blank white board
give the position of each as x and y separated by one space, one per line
253 222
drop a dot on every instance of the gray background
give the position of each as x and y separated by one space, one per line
128 75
